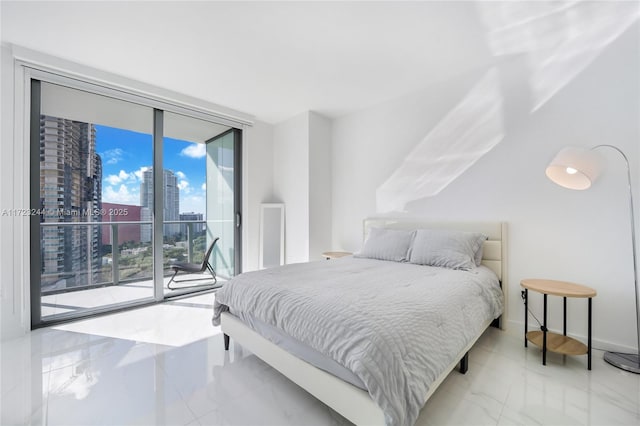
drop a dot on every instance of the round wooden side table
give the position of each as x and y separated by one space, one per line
335 254
554 342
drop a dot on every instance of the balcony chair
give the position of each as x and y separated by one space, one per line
193 268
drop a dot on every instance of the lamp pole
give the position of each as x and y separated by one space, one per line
628 362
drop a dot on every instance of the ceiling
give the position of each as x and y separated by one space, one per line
272 60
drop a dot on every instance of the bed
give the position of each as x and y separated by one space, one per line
373 336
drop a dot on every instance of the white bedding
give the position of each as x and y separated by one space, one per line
396 326
299 350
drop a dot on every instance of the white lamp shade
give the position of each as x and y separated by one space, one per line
574 168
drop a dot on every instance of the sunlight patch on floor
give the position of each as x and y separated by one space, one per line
172 323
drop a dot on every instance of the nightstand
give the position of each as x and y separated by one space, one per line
335 254
554 342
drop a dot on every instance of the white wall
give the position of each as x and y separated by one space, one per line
257 187
302 181
291 183
580 236
320 178
14 286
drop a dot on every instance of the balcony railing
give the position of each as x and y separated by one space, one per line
93 275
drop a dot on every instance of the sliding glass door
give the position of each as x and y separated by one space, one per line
87 253
104 231
223 199
201 200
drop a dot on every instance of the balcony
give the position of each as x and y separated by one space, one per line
121 274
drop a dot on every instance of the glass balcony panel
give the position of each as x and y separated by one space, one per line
188 230
82 270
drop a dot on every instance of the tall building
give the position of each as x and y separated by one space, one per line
70 191
171 194
196 227
146 230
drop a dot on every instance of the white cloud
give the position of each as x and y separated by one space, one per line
194 199
112 179
183 183
196 150
112 156
184 186
122 196
139 172
119 178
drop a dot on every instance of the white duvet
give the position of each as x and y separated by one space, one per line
396 326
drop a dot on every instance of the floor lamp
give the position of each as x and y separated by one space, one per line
578 168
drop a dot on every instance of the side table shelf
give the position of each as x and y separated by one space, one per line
554 342
558 343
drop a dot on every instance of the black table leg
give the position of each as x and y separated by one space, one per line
589 339
526 316
564 315
544 332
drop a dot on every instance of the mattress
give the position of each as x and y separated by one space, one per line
300 350
395 326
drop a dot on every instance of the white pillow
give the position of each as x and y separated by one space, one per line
387 244
447 249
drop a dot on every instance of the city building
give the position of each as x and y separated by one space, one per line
70 191
171 194
187 216
146 230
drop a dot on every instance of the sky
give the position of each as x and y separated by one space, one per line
126 154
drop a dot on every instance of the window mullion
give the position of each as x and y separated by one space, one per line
158 204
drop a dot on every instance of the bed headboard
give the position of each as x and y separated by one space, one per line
494 253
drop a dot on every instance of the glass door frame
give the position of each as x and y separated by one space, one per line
237 193
237 208
237 198
33 79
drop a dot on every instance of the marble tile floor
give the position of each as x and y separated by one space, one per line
89 298
165 365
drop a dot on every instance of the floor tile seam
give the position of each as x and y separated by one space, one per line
504 404
169 379
194 422
469 398
479 398
194 417
485 395
616 402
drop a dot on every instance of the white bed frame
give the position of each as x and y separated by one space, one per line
350 401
